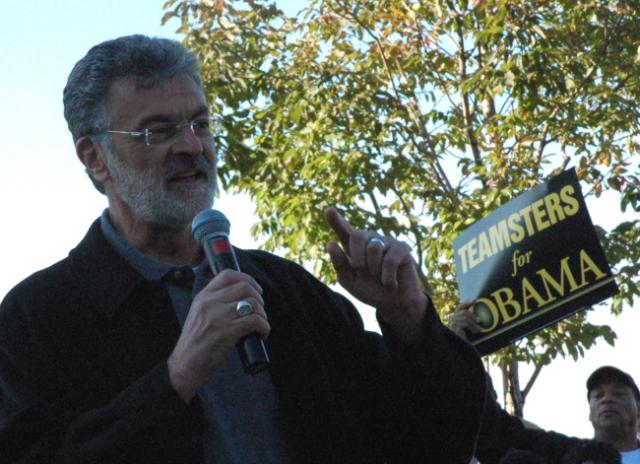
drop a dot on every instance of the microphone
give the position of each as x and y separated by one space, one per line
211 228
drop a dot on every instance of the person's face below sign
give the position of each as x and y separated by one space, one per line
613 407
163 163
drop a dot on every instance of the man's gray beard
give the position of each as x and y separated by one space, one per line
146 194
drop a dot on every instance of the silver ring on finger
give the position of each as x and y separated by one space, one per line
243 308
377 240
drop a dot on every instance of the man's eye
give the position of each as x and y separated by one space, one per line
202 124
164 130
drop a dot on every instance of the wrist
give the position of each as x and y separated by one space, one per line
406 322
181 381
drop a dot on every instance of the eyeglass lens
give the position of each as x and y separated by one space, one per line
201 127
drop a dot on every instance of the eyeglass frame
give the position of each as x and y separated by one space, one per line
147 131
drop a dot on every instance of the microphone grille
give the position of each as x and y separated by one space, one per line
209 221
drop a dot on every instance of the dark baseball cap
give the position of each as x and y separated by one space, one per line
610 374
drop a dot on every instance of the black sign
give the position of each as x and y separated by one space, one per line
532 262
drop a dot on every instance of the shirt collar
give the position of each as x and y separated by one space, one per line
154 270
148 267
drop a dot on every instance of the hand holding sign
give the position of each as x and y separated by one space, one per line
464 321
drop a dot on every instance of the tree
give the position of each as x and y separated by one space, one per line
419 118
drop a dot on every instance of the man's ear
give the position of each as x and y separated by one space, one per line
92 155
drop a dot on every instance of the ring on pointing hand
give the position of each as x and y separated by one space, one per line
377 240
243 307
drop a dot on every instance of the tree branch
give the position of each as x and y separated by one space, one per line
532 380
466 112
412 112
413 227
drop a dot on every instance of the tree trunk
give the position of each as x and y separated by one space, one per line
513 394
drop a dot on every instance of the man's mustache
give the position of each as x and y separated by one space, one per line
177 164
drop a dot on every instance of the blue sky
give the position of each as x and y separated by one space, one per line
47 202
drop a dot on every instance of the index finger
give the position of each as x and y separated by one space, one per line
339 225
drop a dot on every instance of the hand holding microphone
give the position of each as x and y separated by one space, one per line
228 312
211 230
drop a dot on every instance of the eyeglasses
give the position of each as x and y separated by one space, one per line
203 127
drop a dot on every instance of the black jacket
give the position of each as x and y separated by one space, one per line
83 374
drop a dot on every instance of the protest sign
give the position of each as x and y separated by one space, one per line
532 262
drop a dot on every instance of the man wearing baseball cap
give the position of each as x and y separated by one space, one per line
614 411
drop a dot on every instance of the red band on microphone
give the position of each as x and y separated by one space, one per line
221 247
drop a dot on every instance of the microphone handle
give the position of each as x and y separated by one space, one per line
251 348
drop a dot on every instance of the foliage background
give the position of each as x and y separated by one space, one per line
419 118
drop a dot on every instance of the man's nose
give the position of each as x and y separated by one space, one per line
189 142
606 398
